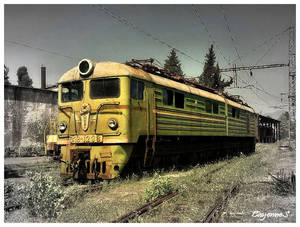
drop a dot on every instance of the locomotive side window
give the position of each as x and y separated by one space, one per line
167 97
72 91
105 88
233 112
136 89
208 105
237 113
215 108
179 100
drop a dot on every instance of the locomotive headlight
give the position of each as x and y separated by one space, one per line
62 126
112 123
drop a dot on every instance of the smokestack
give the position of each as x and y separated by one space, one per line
43 77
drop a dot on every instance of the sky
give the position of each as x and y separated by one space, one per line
59 36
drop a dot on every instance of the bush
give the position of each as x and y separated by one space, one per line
158 187
43 196
31 151
9 152
9 191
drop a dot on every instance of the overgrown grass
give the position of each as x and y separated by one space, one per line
202 185
199 188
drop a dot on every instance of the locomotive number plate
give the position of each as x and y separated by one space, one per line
87 139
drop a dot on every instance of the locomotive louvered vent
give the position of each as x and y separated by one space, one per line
86 67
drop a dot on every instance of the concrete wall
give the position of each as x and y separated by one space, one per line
25 111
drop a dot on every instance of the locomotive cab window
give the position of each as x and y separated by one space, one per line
105 88
168 97
179 100
136 89
72 91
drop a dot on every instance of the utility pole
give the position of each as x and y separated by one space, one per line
292 85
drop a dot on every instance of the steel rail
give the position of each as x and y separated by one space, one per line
12 207
215 212
150 205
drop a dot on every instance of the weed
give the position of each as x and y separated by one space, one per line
43 196
158 187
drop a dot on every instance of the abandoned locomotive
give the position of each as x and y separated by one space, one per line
113 115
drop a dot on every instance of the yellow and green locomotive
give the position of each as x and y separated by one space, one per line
112 114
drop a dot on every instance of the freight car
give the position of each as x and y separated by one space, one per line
112 115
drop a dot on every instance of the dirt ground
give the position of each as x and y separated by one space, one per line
256 201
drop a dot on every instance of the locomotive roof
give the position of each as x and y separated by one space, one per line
105 69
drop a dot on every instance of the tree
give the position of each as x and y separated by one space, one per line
23 78
172 64
6 70
211 76
206 78
218 83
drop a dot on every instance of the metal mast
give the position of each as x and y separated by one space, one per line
292 85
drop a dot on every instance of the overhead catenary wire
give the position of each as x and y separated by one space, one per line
197 14
231 36
267 41
42 49
126 22
269 49
236 50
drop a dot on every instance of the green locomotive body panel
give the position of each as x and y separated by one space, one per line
196 118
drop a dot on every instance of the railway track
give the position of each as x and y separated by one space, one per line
215 211
16 171
12 207
146 207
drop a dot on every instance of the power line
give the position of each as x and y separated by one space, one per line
124 21
238 55
277 35
260 97
264 91
231 35
197 14
41 49
254 67
270 48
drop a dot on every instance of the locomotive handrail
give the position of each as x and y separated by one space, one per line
99 108
64 107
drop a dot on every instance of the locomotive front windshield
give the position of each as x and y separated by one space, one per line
72 91
105 88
